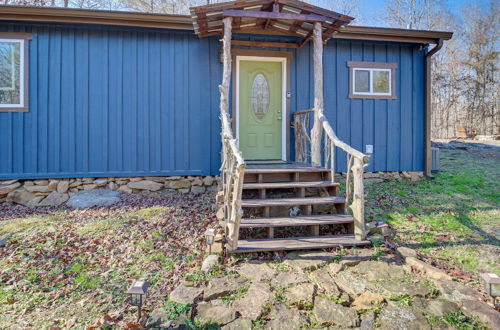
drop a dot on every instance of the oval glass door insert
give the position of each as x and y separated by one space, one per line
260 97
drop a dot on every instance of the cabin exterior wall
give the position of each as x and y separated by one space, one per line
112 101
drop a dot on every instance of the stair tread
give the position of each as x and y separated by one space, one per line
292 201
297 243
264 170
308 220
290 184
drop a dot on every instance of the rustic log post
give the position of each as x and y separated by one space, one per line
226 74
318 95
358 199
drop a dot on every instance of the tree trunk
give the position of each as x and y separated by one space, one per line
318 96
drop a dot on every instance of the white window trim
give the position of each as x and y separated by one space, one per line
21 73
371 82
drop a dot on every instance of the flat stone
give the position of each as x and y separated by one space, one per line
367 300
35 201
180 184
101 182
185 294
283 318
54 199
89 186
483 311
95 197
406 252
300 295
324 281
440 307
238 324
367 321
402 318
158 179
391 287
376 239
350 283
289 278
429 270
308 260
220 315
145 185
256 270
378 270
208 181
35 189
222 286
20 196
327 311
250 306
197 190
62 186
41 182
197 181
456 292
156 318
7 182
7 188
52 185
125 189
209 263
335 268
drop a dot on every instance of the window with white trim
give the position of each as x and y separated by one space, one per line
13 72
374 80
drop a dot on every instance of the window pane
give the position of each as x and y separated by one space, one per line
361 81
10 67
380 81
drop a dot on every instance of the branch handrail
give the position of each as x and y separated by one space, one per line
356 162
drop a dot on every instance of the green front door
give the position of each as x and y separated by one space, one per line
260 109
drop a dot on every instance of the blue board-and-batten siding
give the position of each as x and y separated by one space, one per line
110 101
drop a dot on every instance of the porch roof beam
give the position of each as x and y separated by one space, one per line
274 15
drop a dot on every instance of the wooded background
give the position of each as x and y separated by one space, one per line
466 84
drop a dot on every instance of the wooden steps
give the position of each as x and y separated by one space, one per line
297 243
292 201
291 184
311 220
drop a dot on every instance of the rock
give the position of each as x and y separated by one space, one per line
238 324
112 186
350 283
406 252
62 186
180 184
75 184
428 270
367 321
7 188
209 263
456 292
156 318
198 190
20 196
208 181
378 270
158 179
397 287
52 185
28 183
335 268
308 260
7 182
376 239
89 186
137 179
95 197
483 311
125 189
145 185
402 318
185 294
289 278
284 318
367 300
222 286
184 190
324 280
41 182
256 271
327 311
34 189
300 295
220 315
35 201
54 199
197 181
439 307
101 182
250 306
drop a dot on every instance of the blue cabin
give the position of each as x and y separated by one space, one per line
119 94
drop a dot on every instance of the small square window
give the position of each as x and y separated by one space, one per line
13 72
372 80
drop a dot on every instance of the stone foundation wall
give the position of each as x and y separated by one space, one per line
54 192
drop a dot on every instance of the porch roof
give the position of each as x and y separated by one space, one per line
290 17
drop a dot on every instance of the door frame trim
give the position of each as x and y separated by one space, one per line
269 56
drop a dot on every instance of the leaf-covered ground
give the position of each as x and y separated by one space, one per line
453 220
71 268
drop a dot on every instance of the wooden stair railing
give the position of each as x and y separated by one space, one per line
356 162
